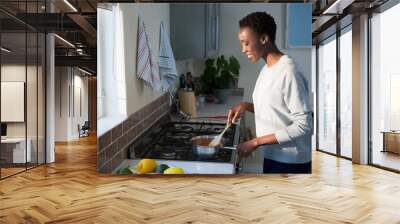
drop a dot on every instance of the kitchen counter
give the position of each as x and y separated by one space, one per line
189 167
216 109
201 167
208 110
251 164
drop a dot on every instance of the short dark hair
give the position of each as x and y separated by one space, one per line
261 23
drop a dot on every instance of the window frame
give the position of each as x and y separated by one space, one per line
333 37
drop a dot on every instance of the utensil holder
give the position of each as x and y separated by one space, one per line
187 102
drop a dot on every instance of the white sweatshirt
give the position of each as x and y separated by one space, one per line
282 107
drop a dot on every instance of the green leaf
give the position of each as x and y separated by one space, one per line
219 73
208 79
161 168
220 62
125 171
224 80
209 62
234 66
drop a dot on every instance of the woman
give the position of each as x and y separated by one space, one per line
283 115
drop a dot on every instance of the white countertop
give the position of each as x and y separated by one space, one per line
189 167
216 109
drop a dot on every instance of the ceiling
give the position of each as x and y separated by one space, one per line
73 20
329 15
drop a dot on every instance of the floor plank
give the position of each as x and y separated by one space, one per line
386 159
70 191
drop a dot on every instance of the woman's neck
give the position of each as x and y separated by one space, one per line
273 56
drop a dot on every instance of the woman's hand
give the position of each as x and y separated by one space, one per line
244 149
236 112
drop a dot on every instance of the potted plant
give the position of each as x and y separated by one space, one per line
219 76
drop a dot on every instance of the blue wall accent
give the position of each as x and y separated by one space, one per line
299 19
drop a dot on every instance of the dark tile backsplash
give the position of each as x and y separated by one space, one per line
112 146
116 132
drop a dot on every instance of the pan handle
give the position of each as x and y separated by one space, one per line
228 147
237 160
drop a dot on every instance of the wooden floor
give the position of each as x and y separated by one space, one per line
10 171
70 191
386 159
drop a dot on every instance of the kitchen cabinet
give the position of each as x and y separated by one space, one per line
212 29
194 30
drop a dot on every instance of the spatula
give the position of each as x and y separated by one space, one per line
217 140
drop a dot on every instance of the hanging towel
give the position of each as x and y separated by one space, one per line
146 66
167 66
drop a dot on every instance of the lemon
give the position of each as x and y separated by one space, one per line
146 166
174 170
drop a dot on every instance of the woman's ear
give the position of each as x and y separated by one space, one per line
264 39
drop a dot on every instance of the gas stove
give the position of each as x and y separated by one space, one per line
171 141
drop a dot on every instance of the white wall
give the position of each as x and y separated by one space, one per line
34 124
230 17
61 103
15 72
124 93
68 82
82 82
138 94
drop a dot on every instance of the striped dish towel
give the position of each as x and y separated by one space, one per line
166 60
146 67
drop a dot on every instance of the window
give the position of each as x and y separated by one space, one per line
335 74
327 96
385 89
111 65
104 18
22 75
346 92
112 104
394 118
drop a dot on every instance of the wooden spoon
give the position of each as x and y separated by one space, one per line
217 140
